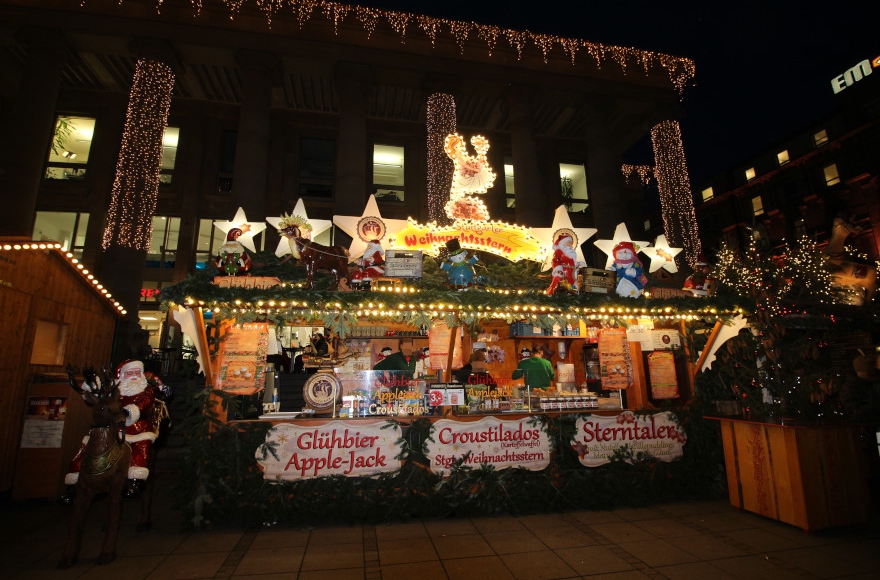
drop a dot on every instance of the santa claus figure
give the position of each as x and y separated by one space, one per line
699 283
141 396
232 258
372 262
631 280
565 265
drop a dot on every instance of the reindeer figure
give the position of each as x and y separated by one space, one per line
105 463
315 256
844 271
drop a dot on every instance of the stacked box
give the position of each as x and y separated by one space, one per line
598 281
403 264
525 329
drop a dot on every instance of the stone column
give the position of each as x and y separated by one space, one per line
604 177
29 125
251 171
531 207
352 148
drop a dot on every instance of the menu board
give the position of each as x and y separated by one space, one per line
44 422
242 358
615 361
439 336
661 370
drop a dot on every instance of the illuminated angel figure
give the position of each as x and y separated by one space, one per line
471 174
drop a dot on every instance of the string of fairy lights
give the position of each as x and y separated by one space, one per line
136 185
679 70
440 123
72 261
643 171
674 184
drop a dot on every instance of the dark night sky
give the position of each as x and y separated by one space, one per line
763 70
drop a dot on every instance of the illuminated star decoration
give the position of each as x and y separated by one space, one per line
318 227
249 229
349 224
561 220
621 234
662 256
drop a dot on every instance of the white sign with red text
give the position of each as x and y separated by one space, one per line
597 439
335 448
500 443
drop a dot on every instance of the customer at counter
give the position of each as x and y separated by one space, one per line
537 368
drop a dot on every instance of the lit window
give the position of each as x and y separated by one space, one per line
708 194
782 157
169 156
163 243
757 205
210 240
66 228
316 167
508 182
573 185
831 175
388 172
647 225
71 142
750 173
820 138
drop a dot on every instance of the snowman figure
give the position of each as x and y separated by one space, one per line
631 279
459 268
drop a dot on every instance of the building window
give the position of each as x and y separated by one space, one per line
169 156
831 175
316 167
71 142
757 205
708 194
509 193
820 138
647 225
782 157
208 246
573 183
163 243
66 228
750 173
388 170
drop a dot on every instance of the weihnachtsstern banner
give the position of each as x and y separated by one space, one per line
597 439
335 448
500 443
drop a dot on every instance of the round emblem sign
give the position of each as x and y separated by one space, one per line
321 391
370 228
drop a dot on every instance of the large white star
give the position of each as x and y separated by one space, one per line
250 229
318 227
621 234
662 256
372 226
561 221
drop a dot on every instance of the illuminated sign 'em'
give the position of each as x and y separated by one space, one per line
853 75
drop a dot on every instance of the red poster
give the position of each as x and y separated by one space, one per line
242 359
615 362
438 342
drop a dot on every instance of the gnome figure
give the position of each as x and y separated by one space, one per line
699 283
232 258
459 268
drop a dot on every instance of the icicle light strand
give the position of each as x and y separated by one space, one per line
441 122
136 185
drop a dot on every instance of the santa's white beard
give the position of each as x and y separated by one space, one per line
132 386
569 252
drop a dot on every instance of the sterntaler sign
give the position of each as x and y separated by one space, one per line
597 439
497 442
335 448
509 241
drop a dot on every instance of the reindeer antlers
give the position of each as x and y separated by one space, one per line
103 385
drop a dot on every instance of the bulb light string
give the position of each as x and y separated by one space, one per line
440 123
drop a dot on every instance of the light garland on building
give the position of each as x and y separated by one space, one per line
677 203
74 263
440 123
136 185
643 171
680 70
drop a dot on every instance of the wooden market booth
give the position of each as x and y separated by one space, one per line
53 312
